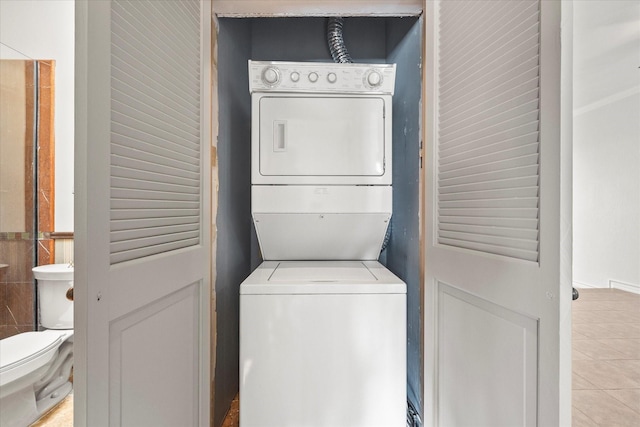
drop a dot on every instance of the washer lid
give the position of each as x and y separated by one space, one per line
321 277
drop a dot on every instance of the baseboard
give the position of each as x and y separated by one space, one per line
629 287
581 285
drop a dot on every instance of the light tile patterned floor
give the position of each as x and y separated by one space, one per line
606 358
59 416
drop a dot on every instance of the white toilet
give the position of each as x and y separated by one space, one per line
35 366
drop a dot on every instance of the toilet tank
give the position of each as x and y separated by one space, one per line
56 310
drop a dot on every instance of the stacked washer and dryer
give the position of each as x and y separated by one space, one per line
322 322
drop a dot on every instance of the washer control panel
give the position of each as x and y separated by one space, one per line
272 76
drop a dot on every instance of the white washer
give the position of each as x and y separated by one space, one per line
322 343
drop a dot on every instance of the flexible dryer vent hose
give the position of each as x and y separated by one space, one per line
340 54
338 50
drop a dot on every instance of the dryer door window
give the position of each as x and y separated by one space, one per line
322 136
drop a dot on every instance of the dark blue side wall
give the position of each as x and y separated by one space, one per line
233 222
403 250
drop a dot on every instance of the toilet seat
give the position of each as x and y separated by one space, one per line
28 351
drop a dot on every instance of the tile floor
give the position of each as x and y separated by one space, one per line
59 416
606 358
606 364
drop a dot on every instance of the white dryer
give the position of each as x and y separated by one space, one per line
322 323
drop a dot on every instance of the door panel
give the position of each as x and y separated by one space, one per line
496 289
503 346
144 393
142 213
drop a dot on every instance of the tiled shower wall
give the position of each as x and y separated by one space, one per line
16 284
20 250
17 289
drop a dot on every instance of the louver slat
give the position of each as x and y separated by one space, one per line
479 32
492 249
155 195
146 249
459 101
488 129
517 164
141 213
492 175
492 231
501 184
129 148
126 193
165 221
150 233
140 175
512 193
126 183
466 16
524 202
501 32
480 52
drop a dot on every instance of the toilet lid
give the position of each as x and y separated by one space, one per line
27 346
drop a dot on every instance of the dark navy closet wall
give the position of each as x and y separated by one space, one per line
233 222
403 251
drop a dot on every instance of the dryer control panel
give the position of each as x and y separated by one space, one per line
321 77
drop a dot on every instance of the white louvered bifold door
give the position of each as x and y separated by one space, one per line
497 223
155 128
143 97
488 127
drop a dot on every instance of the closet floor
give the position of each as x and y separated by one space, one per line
606 358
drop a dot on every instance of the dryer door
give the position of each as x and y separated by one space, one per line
321 139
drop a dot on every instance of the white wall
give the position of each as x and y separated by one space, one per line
44 29
606 141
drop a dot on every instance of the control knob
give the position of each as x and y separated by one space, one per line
374 78
332 78
270 76
313 77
